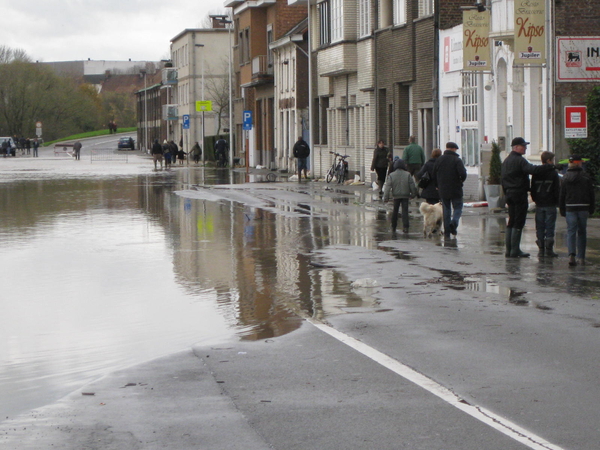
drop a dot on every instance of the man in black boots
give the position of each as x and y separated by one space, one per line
515 182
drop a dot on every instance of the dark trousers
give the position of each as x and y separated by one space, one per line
397 203
517 209
381 174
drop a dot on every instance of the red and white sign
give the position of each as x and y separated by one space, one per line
575 122
578 59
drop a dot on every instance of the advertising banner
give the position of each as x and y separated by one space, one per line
476 41
530 32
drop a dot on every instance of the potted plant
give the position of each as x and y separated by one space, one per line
493 188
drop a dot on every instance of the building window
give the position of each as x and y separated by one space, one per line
399 12
425 8
324 25
337 20
469 97
364 18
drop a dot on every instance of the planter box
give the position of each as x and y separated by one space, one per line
494 196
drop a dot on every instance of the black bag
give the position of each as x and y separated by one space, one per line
425 180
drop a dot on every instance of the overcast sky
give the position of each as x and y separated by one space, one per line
70 30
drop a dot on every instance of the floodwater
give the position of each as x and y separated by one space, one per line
104 269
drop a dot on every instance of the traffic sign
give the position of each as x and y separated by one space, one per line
204 105
247 120
186 121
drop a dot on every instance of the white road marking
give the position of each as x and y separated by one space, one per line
489 418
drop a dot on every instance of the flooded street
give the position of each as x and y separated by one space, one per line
106 271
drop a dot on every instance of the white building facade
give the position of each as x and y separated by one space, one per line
200 59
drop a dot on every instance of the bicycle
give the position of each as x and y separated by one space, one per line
339 168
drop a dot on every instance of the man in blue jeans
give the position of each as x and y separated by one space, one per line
577 202
449 174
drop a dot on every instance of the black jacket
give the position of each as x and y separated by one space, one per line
577 192
449 173
380 158
516 171
431 190
301 149
545 188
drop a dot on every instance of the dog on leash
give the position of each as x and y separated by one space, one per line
433 218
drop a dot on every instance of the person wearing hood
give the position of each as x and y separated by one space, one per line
399 185
576 202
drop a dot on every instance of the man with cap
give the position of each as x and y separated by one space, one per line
516 185
449 174
577 202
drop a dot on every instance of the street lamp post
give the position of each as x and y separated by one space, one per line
202 70
225 22
144 72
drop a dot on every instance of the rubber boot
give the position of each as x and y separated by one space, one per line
515 250
508 241
542 248
550 248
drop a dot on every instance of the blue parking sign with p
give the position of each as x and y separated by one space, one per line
186 121
247 120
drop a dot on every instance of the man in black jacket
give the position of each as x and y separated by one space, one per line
449 174
516 185
301 151
545 189
577 202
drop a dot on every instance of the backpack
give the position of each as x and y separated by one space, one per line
425 180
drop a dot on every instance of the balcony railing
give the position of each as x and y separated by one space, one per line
169 76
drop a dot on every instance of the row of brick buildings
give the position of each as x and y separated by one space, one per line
345 73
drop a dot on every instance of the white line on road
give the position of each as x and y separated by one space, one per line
495 421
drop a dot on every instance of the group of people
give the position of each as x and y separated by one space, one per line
573 196
112 127
441 179
169 151
25 145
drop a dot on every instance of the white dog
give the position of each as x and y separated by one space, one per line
433 217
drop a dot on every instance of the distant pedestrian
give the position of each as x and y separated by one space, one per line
181 156
36 145
577 202
221 148
545 192
28 146
5 148
379 164
400 186
413 156
157 154
429 191
301 152
168 154
196 153
516 185
449 174
77 149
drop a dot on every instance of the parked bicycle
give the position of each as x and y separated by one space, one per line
339 168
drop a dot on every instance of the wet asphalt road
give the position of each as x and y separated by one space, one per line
516 338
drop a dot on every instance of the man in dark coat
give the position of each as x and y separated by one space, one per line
449 174
301 152
516 185
577 202
545 190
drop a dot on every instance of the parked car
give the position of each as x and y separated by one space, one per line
11 144
126 142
